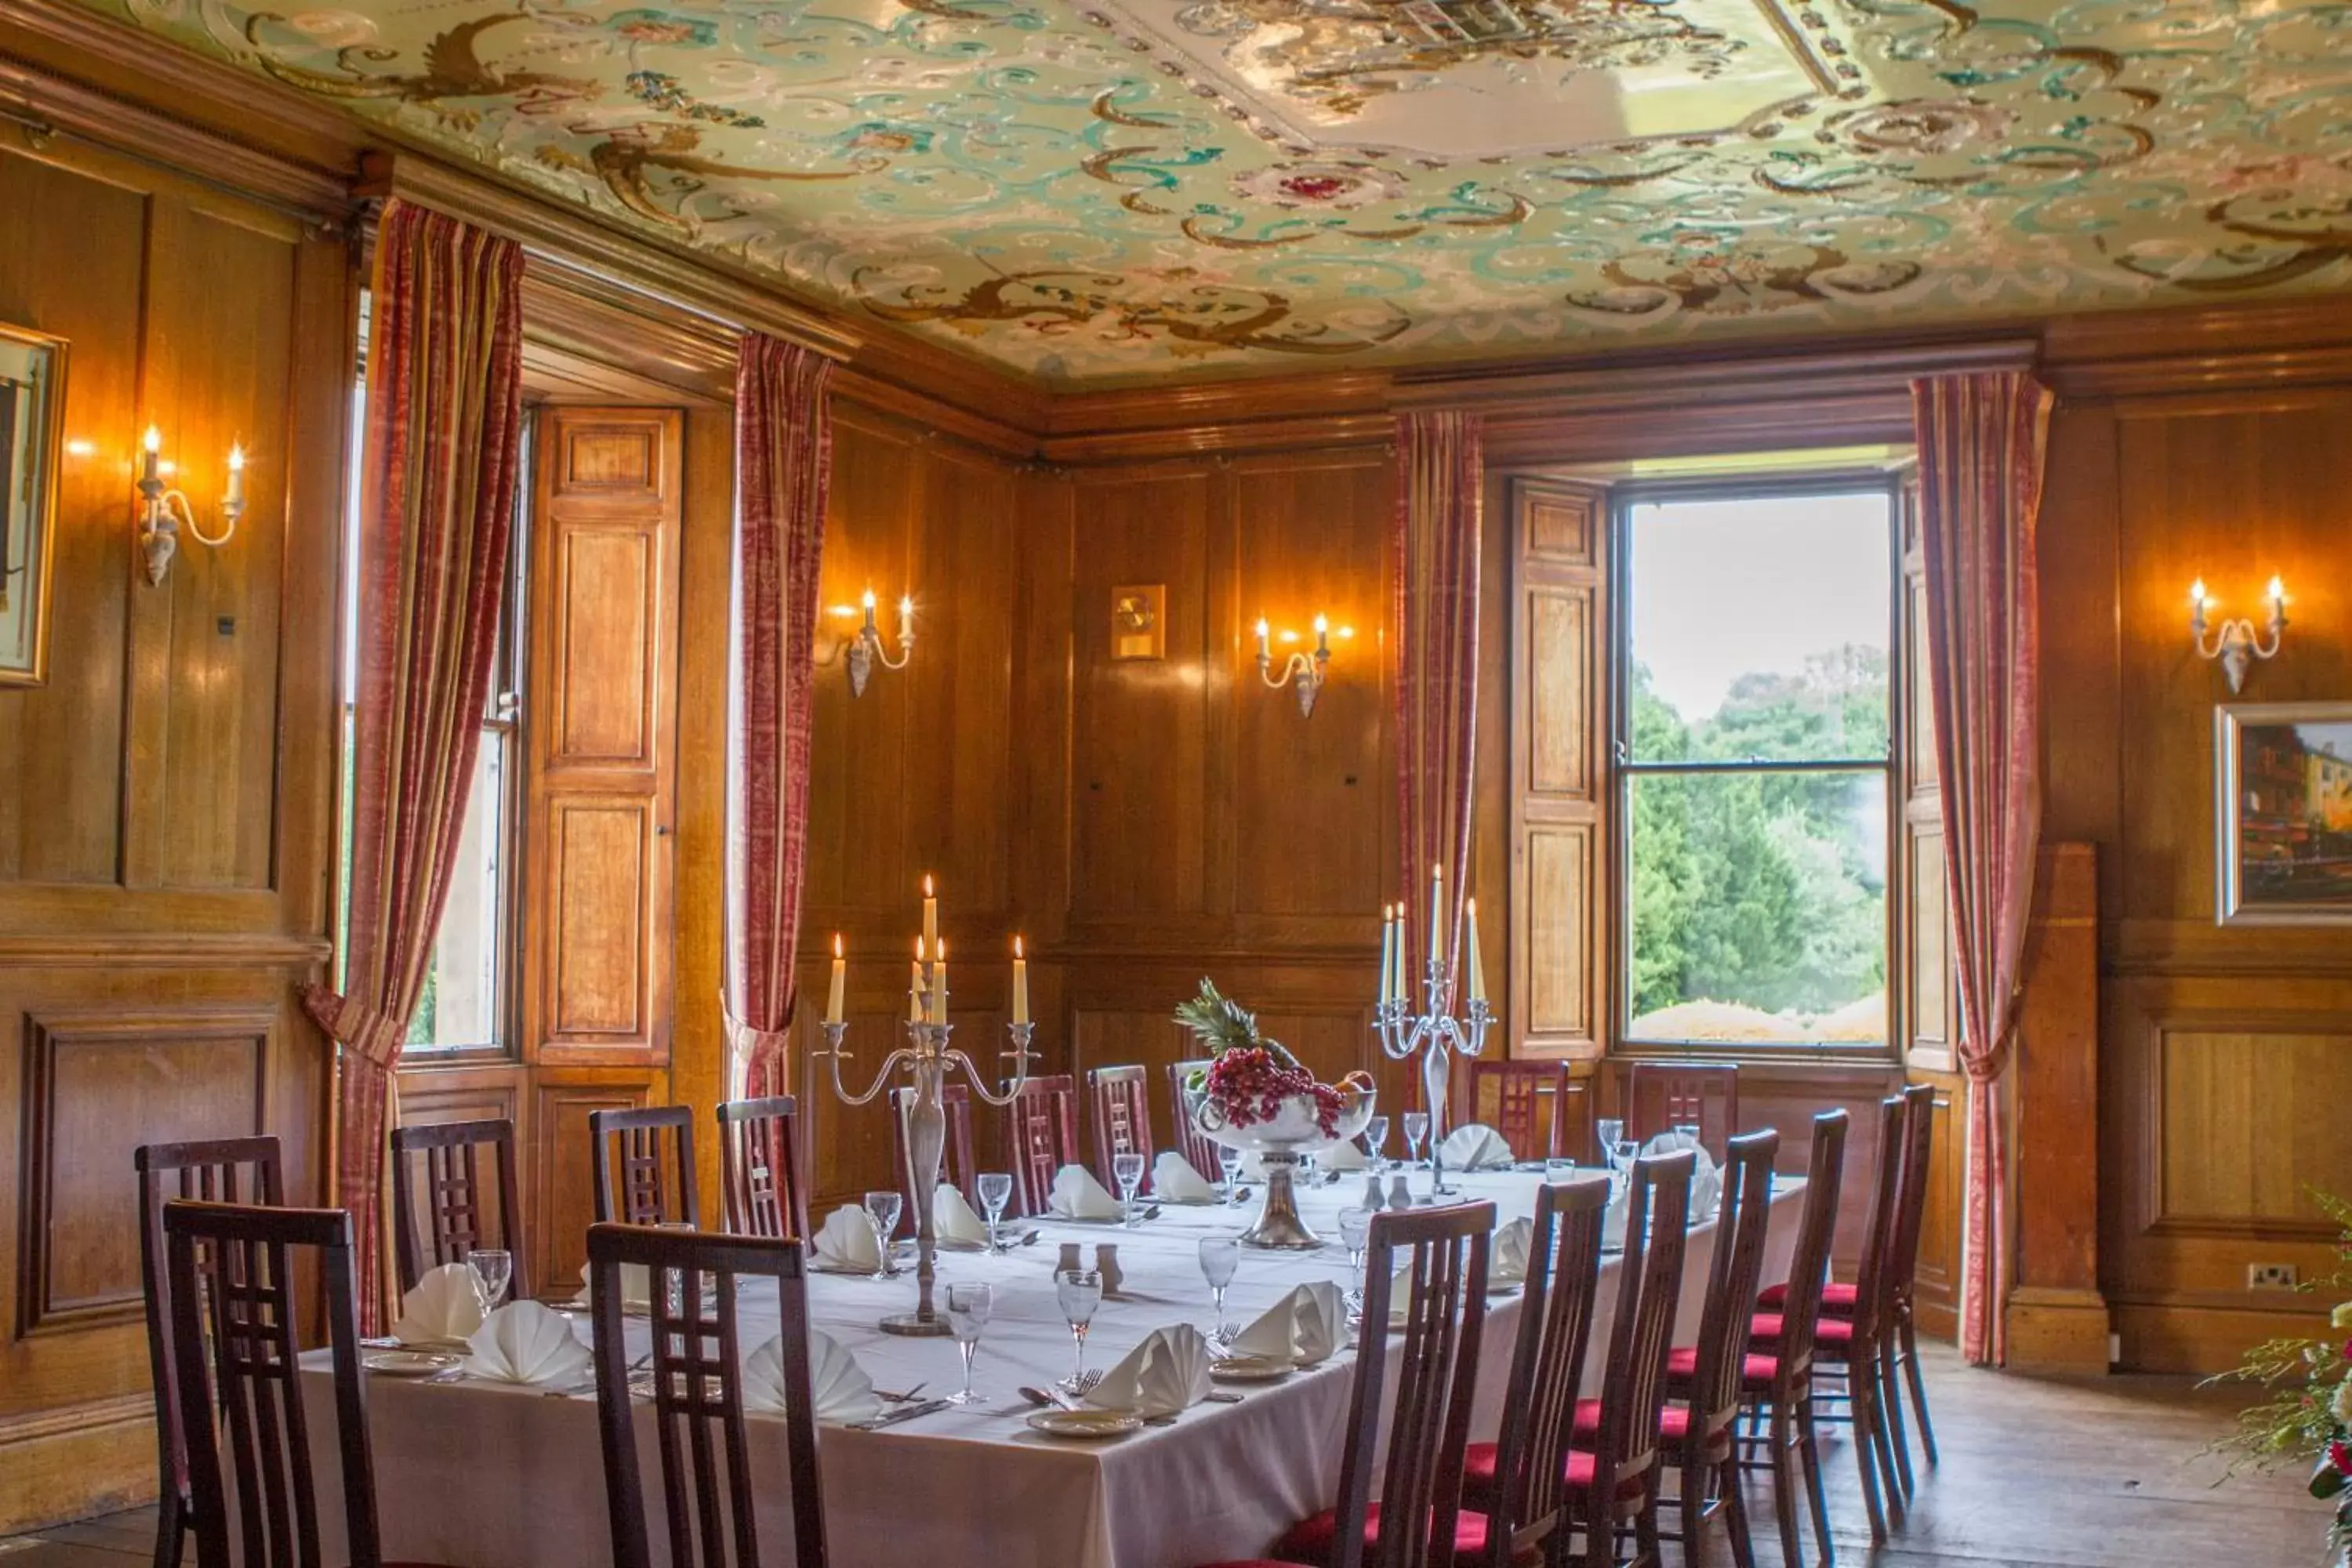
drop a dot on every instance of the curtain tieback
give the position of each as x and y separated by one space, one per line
371 1038
749 1044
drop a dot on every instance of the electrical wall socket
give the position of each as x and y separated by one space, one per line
2270 1276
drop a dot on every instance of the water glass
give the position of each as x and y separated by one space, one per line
995 1192
1416 1128
1558 1172
1220 1256
1356 1232
1229 1161
969 1306
1129 1171
1079 1290
493 1271
882 1211
1376 1142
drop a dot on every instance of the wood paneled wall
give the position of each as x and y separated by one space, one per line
167 800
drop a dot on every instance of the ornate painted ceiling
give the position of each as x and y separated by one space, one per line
1098 190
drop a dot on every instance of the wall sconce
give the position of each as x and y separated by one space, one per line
2235 641
865 650
1303 673
163 510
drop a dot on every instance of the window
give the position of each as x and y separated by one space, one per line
465 1003
1755 762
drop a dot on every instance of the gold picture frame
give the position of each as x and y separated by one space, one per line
2282 814
31 417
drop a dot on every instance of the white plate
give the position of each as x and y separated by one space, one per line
1249 1368
407 1363
1086 1426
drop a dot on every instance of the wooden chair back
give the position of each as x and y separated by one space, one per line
1878 1223
455 1221
1521 1090
1808 1269
1735 1272
1641 1337
759 1167
218 1170
1041 1136
1119 1105
1195 1144
1662 1096
643 1163
1435 1360
709 1492
1911 1202
1563 1286
233 1294
957 1166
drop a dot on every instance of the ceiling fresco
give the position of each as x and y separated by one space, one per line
1109 190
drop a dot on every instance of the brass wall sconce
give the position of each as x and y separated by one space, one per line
2236 643
1303 673
865 650
164 510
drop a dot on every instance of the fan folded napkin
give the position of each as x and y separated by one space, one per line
526 1343
1476 1147
954 1222
1705 1194
1509 1261
1612 1225
1166 1373
1077 1195
845 1243
637 1286
838 1387
445 1305
1346 1154
1174 1181
1305 1326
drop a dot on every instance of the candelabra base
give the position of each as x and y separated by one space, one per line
914 1325
1278 1226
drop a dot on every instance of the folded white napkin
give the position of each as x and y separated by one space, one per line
445 1305
637 1286
1476 1147
1077 1195
1612 1225
845 1243
523 1341
1305 1326
1705 1194
1346 1154
954 1222
838 1386
1507 1264
1166 1373
1174 1181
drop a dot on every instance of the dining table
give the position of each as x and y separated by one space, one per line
479 1474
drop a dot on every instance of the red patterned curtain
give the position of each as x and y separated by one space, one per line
444 447
784 467
1439 503
1981 448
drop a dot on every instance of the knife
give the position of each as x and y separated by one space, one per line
904 1413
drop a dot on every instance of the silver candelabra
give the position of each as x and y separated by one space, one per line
926 1061
1437 1035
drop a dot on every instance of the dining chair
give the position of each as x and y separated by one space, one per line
453 1222
1199 1151
1707 1376
710 1493
1435 1360
1898 1336
1777 1374
957 1167
263 1495
218 1170
1041 1136
642 1161
1662 1096
1118 1104
760 1165
1525 1482
1521 1089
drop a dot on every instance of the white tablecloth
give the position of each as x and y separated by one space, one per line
493 1475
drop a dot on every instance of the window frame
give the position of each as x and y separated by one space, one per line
1622 770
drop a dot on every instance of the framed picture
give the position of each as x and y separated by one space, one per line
32 408
2283 809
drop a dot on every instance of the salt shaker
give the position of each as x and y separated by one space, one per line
1069 1260
1107 1264
1400 1195
1373 1200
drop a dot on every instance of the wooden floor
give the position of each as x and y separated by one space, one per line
2101 1473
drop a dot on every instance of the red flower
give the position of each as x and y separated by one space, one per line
2339 1455
2347 1349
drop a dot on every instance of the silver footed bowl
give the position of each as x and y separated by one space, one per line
1279 1142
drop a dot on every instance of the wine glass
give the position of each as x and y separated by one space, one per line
1129 1171
1229 1161
1621 1156
995 1192
1220 1256
1610 1130
1080 1292
967 1310
493 1271
1376 1142
882 1210
1356 1232
1416 1128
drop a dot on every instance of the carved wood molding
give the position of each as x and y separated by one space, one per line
162 949
76 1420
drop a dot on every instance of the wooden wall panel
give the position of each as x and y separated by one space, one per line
557 1175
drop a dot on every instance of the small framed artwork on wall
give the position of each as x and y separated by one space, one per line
2282 814
32 405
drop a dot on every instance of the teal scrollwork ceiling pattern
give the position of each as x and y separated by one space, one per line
1092 191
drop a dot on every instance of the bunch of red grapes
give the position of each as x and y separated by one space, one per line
1249 1086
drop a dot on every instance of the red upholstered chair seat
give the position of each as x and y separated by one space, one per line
1311 1540
1480 1461
1832 1334
1755 1375
1837 1300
